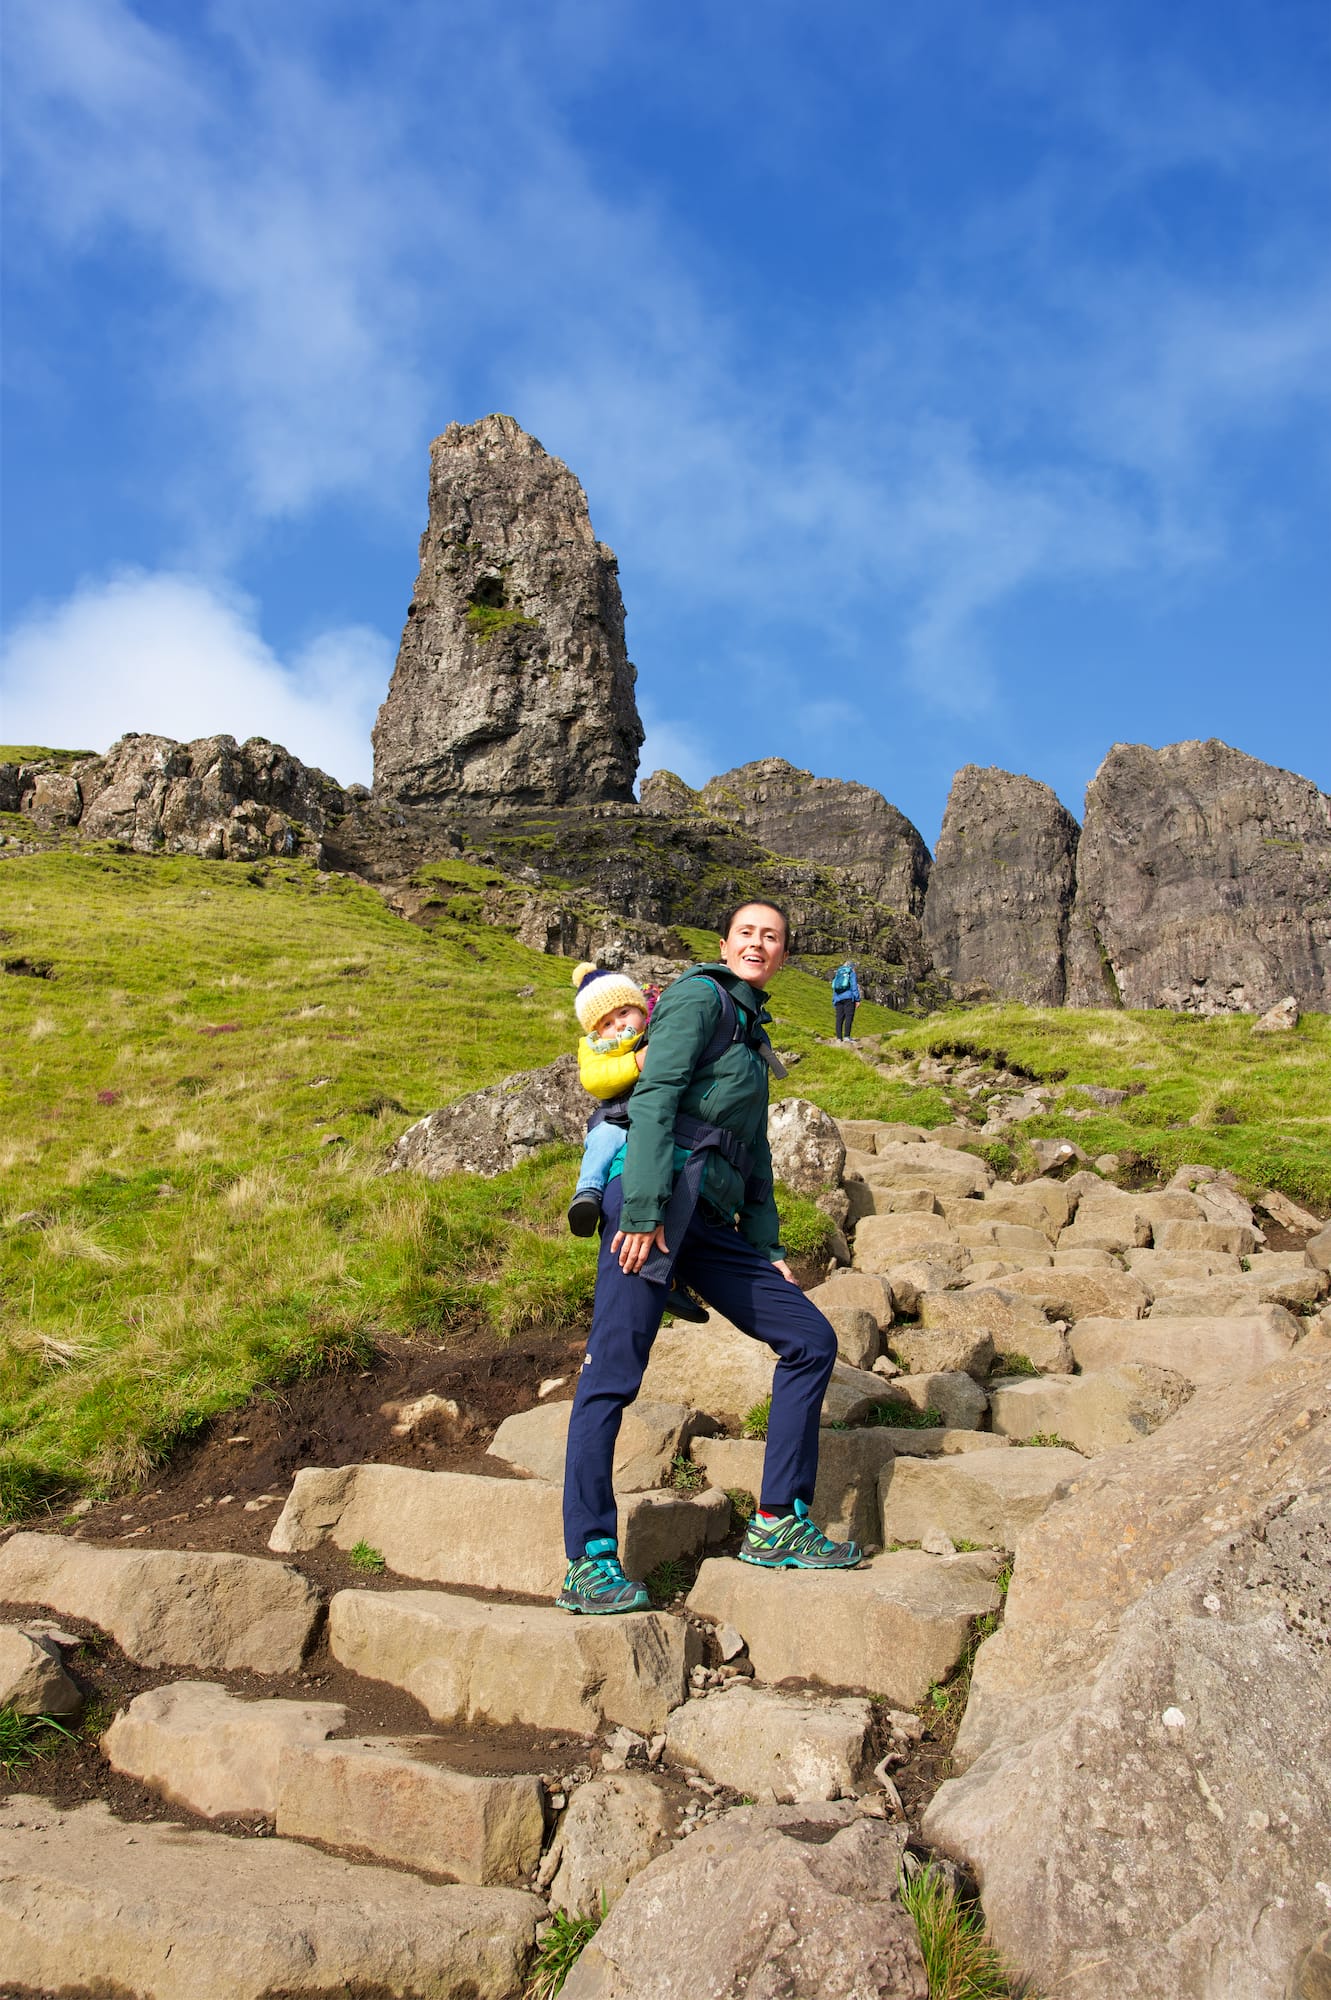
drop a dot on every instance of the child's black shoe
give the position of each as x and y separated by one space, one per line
584 1212
681 1305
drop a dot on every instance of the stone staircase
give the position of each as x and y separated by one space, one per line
391 1863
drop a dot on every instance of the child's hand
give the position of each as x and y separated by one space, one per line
640 1057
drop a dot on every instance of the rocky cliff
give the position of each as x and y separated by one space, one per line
1203 883
222 800
1001 888
831 820
512 687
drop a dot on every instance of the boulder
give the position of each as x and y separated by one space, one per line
845 1496
207 1749
773 1745
392 1798
856 1291
33 1680
1105 1222
1150 1720
1093 1413
492 1534
882 1240
797 1901
491 1130
1071 1294
1097 1261
988 1497
1001 887
1007 1239
716 1368
1053 1155
1318 1247
1203 1298
1162 828
469 1662
925 1351
614 1827
1281 1019
1234 1239
808 1152
908 1278
1202 1350
1153 1266
931 1443
163 1912
651 1437
1286 1278
1040 1204
512 686
941 1169
893 1626
1013 1324
957 1397
168 1608
858 1340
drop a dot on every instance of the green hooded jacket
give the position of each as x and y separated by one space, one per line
732 1091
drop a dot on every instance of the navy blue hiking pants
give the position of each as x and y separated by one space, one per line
734 1279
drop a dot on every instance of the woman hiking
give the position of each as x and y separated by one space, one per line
693 1200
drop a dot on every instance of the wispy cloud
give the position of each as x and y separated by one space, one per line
173 656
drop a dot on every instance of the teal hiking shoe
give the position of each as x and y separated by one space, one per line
596 1584
794 1543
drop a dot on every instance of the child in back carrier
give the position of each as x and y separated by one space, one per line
612 1012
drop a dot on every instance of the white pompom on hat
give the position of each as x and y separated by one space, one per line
600 992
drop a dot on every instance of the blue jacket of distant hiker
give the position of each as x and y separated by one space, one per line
730 1091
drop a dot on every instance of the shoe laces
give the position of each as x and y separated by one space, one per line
608 1563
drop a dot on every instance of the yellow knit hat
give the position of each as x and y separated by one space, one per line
600 992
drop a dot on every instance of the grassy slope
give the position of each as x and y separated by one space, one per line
208 1025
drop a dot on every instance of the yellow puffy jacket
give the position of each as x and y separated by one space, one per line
607 1076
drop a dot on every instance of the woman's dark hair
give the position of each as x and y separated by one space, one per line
755 903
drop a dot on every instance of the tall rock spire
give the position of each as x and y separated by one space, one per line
512 685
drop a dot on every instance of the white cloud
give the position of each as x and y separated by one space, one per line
171 655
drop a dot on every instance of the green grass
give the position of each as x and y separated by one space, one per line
903 1417
487 619
207 1025
960 1962
1014 1364
668 1579
24 1738
743 1505
559 1950
756 1420
1046 1438
367 1559
685 1476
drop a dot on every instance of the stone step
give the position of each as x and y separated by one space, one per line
774 1746
651 1437
164 1608
1094 1412
395 1799
896 1625
487 1534
845 1500
1012 1322
468 1662
33 1680
716 1368
162 1912
205 1748
1073 1294
957 1397
1212 1349
986 1497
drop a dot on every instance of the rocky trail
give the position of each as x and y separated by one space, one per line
339 1740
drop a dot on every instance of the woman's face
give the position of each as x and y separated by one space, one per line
755 948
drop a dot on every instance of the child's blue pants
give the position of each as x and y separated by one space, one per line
733 1278
600 1149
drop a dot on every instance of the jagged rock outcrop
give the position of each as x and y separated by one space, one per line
512 686
1203 883
1001 887
213 797
832 820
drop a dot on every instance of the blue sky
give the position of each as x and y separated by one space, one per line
951 379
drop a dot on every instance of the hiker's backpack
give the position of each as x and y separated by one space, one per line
732 1027
842 979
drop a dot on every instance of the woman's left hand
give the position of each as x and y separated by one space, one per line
780 1264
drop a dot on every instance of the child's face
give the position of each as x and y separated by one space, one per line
618 1020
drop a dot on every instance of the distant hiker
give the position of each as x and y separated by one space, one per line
653 993
612 1011
691 1197
845 999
